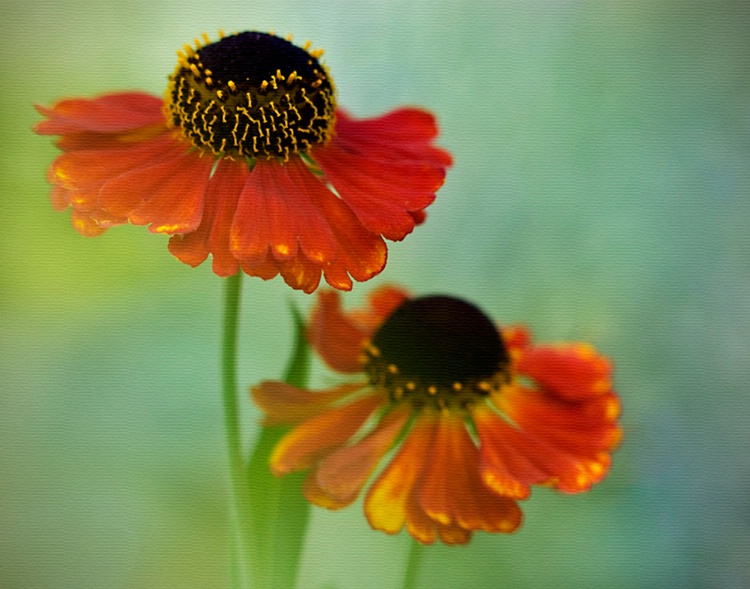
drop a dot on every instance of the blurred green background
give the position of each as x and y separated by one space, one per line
600 192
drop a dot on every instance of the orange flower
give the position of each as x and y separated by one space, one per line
248 159
474 417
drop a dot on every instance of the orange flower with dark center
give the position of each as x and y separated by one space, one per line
248 159
474 416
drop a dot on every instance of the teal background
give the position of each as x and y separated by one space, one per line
600 192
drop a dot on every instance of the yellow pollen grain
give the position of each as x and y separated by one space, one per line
221 33
183 62
189 51
432 390
484 386
209 81
232 85
307 45
206 39
410 386
194 69
197 43
219 94
291 77
181 55
457 386
317 53
263 85
373 350
393 369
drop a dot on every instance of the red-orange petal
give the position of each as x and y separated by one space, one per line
109 113
284 403
453 492
310 441
337 339
212 236
572 371
340 476
358 252
552 441
383 172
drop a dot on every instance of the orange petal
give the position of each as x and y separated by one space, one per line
212 236
283 403
553 442
385 168
387 501
109 113
453 492
176 203
571 371
315 438
338 340
341 475
300 273
359 252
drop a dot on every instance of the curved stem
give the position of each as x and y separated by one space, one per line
412 565
232 290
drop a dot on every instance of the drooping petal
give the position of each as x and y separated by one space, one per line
572 371
385 168
310 441
453 492
284 403
551 441
358 252
338 340
212 236
168 195
109 113
339 477
388 499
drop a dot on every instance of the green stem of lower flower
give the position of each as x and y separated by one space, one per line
412 565
232 290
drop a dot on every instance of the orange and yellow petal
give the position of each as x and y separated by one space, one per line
338 479
388 500
310 441
453 492
284 403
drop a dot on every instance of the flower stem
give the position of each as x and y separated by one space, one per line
232 290
412 565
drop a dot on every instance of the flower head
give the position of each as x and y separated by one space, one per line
474 416
248 158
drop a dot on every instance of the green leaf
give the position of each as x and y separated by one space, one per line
279 512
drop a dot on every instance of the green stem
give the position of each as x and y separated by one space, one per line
412 565
232 290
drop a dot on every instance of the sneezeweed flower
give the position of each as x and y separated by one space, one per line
474 416
248 158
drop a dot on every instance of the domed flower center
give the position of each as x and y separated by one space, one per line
439 350
253 95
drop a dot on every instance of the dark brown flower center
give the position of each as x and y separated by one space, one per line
251 95
439 350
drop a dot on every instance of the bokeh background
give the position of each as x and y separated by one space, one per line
600 192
